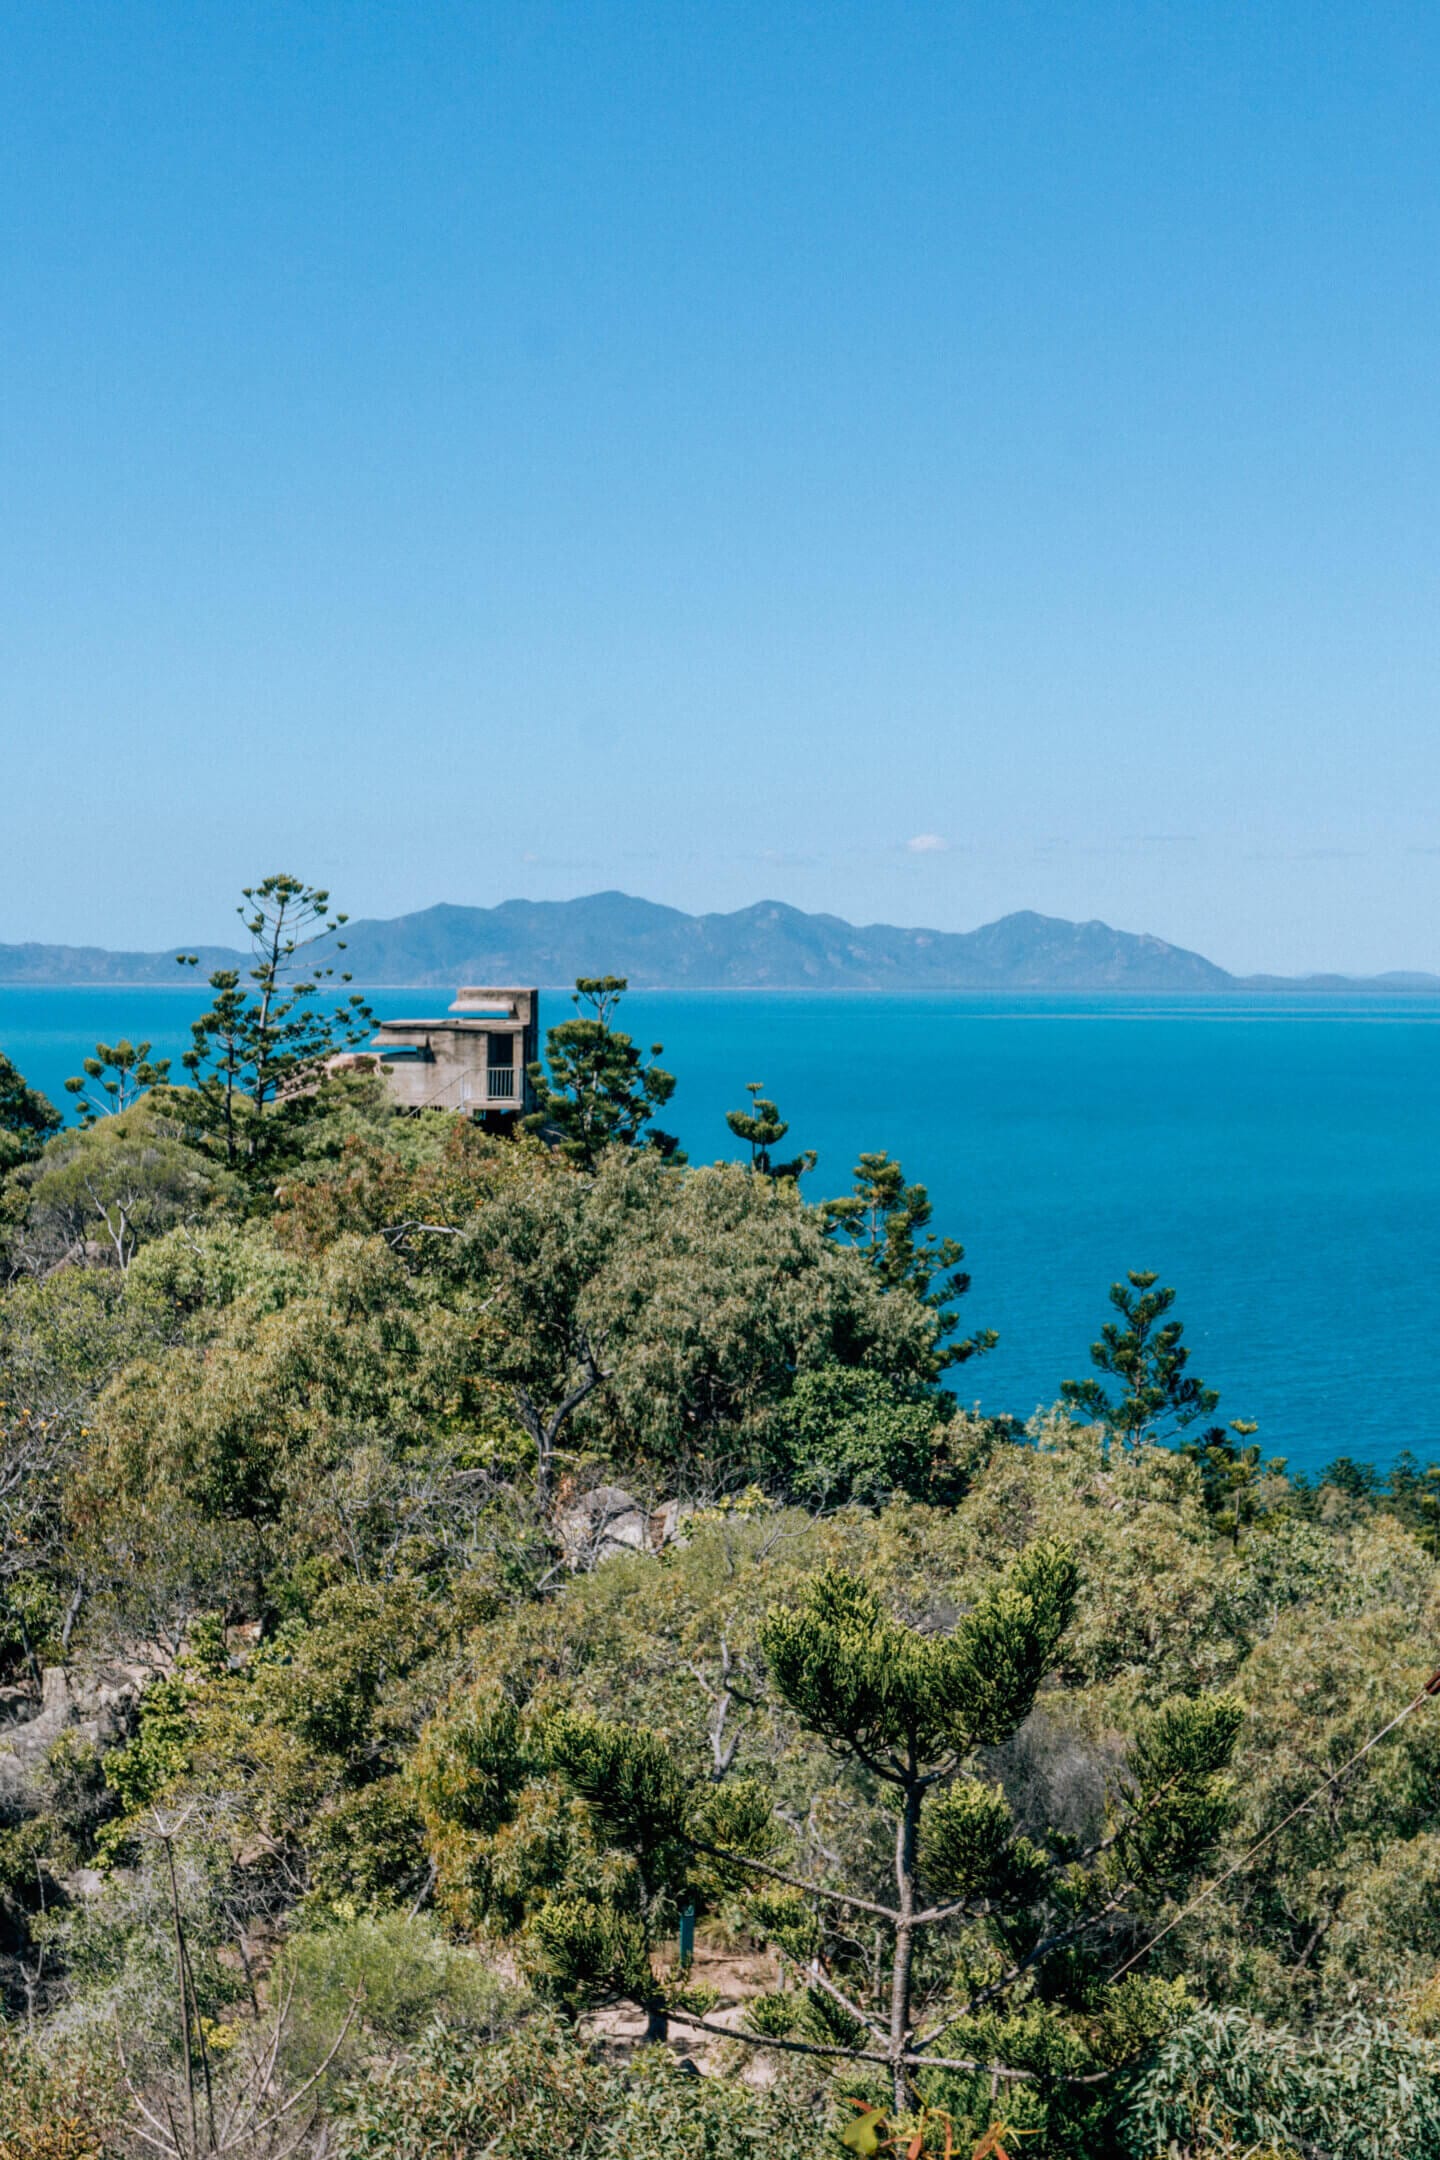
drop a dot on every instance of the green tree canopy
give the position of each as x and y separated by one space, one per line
127 1176
257 1055
598 1092
115 1077
1143 1351
884 1218
847 1433
27 1118
762 1128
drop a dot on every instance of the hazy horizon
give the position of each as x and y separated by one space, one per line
183 940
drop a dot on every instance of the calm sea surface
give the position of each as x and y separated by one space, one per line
1277 1159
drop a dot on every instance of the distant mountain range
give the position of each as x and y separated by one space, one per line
765 947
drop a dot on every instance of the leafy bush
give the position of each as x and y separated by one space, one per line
56 2106
846 1433
128 1179
537 2095
401 1973
1224 2083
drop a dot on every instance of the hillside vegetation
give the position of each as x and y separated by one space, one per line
523 1645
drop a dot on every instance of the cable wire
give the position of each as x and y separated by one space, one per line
1431 1687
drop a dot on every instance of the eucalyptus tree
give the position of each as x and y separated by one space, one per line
103 1191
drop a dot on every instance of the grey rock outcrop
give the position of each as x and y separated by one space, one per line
94 1710
610 1520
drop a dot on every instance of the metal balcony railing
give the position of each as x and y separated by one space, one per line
501 1083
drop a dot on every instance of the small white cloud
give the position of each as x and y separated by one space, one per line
927 843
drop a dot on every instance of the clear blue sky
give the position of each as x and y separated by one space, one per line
464 451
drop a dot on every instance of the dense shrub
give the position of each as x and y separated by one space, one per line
537 2096
57 2104
1226 2084
845 1433
392 1974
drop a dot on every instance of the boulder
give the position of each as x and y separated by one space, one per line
95 1710
609 1520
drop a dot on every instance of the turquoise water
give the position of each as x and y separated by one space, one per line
1277 1159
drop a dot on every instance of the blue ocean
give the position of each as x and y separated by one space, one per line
1276 1158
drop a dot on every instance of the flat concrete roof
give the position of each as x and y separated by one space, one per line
452 1027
